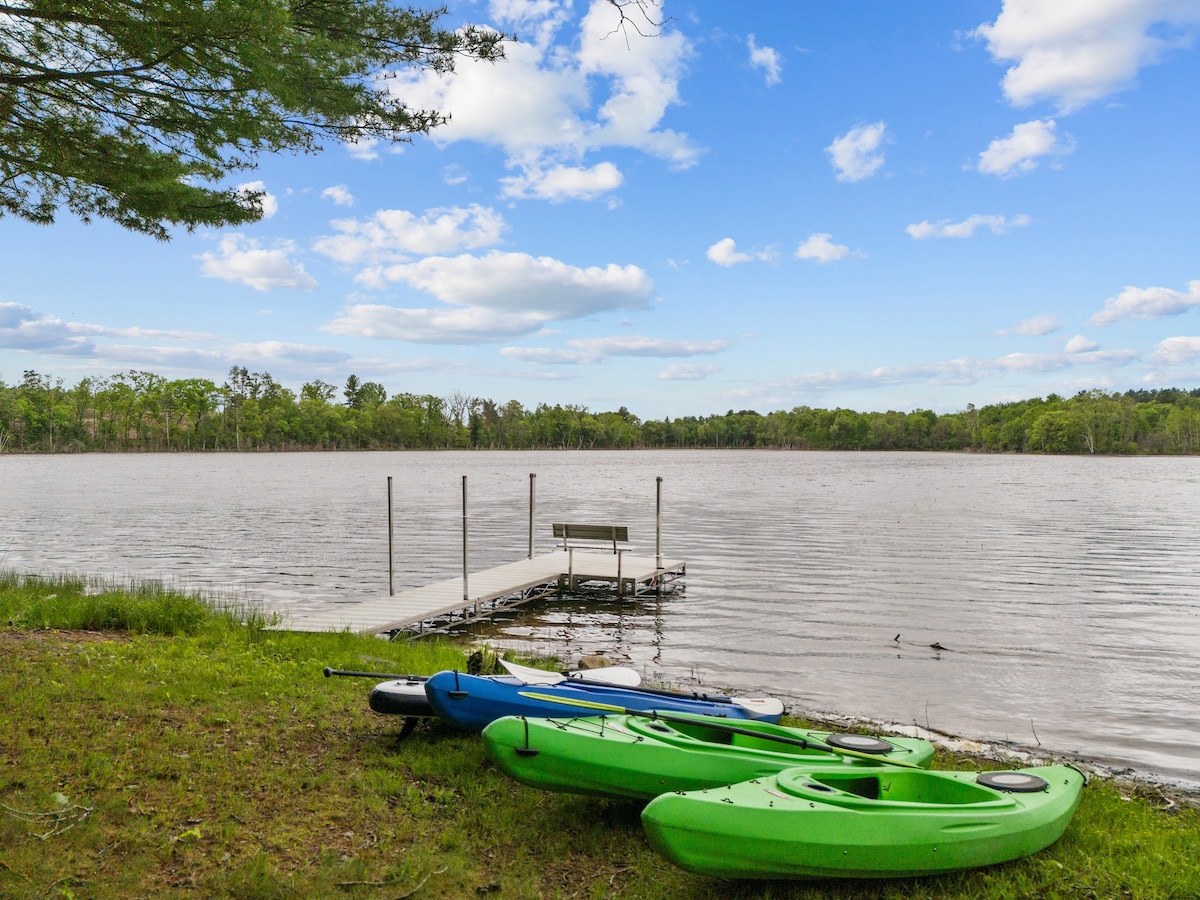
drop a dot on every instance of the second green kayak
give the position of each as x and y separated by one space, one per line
641 757
874 822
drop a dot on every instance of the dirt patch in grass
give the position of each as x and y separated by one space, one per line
41 636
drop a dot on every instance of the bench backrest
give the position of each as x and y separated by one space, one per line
614 533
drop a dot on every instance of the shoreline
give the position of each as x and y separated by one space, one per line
1180 789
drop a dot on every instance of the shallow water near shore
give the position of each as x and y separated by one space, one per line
1064 592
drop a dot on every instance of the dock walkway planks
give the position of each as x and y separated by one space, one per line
501 587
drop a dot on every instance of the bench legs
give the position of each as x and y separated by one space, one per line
573 582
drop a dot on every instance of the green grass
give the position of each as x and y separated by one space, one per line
155 745
143 607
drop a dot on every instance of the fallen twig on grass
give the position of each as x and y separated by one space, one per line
64 819
419 886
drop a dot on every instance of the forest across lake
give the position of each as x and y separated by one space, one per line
142 411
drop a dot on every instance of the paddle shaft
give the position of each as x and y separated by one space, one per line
384 675
721 726
657 692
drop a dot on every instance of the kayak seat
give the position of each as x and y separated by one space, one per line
887 784
681 729
866 787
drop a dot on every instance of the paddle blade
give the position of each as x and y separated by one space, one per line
529 675
760 707
618 676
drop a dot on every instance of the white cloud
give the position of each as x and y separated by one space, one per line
643 77
242 260
637 345
767 59
1034 327
821 248
22 328
396 234
960 371
563 182
546 356
1147 303
589 351
275 353
525 105
540 105
14 315
1074 52
539 18
187 359
366 148
164 351
268 201
447 325
1110 358
339 194
687 372
966 228
518 281
1080 344
1021 151
856 154
492 297
135 332
724 253
1030 362
1176 351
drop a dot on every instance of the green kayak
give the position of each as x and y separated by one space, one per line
880 822
643 756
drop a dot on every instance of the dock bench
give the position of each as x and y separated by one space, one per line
592 537
612 538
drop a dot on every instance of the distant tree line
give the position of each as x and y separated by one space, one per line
141 411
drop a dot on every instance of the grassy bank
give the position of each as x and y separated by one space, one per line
153 745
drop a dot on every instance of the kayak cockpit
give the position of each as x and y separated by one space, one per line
889 787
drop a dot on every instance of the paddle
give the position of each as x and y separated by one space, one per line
542 677
618 676
720 726
615 676
384 675
611 676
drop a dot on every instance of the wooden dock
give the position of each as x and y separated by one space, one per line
422 608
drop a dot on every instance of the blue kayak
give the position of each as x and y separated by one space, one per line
474 701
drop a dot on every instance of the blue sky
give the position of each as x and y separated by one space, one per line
872 205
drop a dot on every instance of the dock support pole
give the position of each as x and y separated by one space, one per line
532 506
391 563
658 529
466 595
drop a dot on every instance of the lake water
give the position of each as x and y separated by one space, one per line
1063 591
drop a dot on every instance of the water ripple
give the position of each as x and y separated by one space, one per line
1065 592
